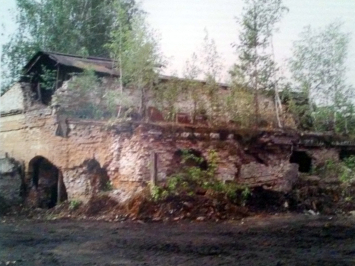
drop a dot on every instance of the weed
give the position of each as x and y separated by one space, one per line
157 193
108 186
74 204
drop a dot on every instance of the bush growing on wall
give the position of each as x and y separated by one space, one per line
192 179
84 96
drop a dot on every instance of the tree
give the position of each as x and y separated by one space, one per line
125 12
211 67
67 26
192 86
134 46
318 71
210 60
256 67
166 96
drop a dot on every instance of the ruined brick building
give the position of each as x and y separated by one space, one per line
62 158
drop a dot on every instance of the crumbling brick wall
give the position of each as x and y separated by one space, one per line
122 153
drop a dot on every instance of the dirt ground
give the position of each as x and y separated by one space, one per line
273 240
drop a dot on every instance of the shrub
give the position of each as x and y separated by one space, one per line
74 204
191 180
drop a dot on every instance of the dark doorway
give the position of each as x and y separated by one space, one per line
343 154
45 176
303 160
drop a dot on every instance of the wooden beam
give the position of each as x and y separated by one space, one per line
59 187
154 169
39 92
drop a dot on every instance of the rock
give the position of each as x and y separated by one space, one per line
214 136
311 212
10 181
311 178
280 178
189 205
352 213
8 166
200 219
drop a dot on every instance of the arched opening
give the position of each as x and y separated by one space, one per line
303 160
98 176
344 153
46 179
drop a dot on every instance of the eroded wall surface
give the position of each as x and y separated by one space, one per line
94 154
13 100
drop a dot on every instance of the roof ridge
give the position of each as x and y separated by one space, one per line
78 56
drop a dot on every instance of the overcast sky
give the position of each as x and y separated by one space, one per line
181 25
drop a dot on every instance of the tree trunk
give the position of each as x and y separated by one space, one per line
278 104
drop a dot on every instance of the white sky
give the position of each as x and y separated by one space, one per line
181 25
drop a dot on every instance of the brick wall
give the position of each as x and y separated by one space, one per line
123 151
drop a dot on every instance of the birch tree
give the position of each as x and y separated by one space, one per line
134 47
318 70
211 67
256 67
192 86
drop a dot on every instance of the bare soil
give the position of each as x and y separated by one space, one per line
268 240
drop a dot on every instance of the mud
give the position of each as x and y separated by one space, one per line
273 240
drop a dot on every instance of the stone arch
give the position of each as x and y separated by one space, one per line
46 183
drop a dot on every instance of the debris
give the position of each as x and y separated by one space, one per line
311 212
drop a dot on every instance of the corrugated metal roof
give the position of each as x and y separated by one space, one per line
97 64
101 65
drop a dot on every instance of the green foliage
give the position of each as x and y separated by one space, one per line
256 68
86 98
66 26
319 72
157 193
298 107
74 204
166 94
329 169
136 50
192 88
240 106
108 186
211 61
191 179
348 169
344 170
49 78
